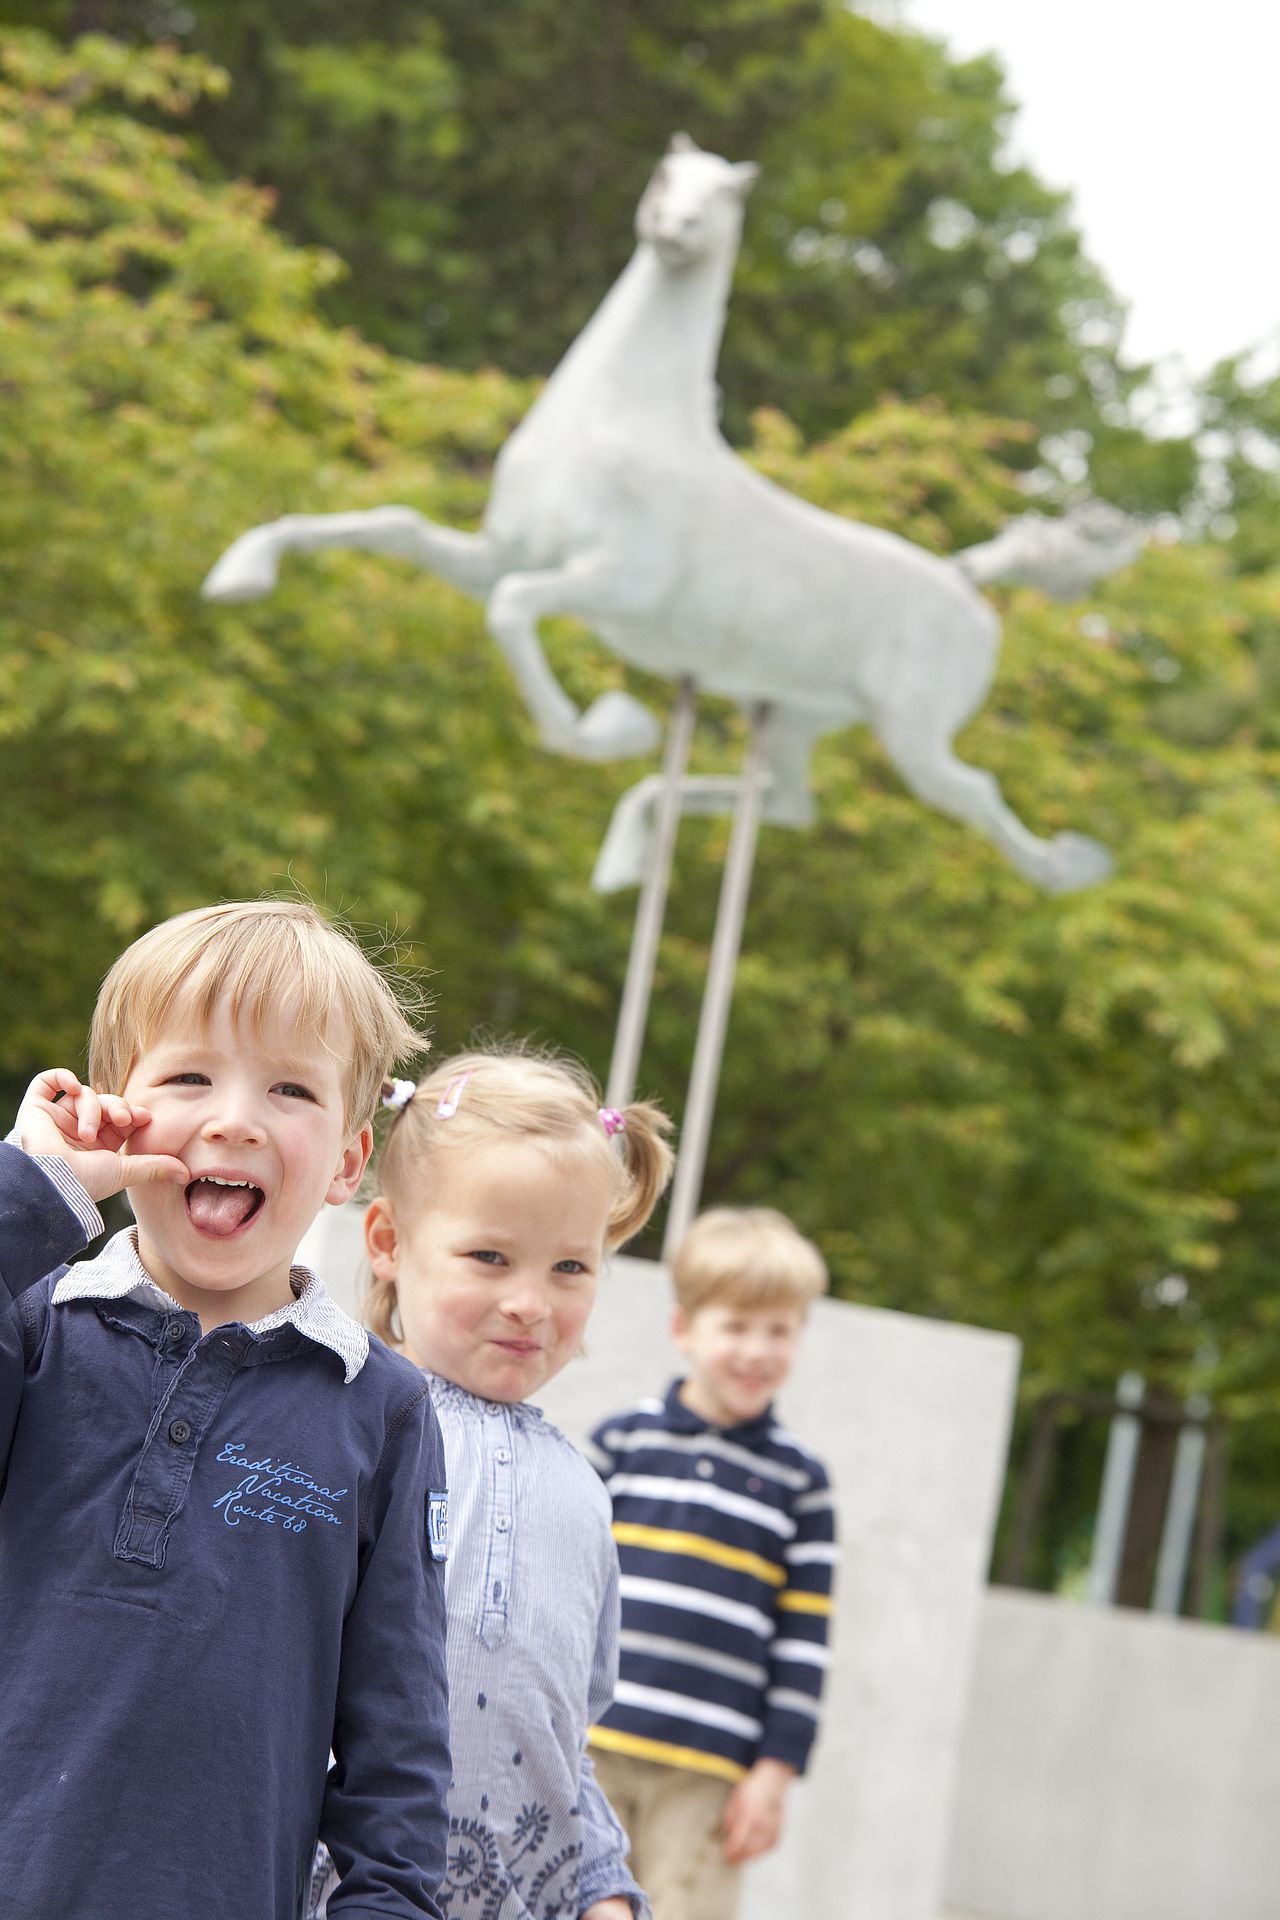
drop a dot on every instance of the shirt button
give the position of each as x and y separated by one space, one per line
173 1331
503 1456
503 1523
179 1432
705 1469
489 1408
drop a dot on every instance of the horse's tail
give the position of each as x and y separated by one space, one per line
1064 558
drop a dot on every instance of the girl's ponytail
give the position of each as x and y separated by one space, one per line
379 1310
647 1161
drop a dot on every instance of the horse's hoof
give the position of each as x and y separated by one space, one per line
1077 862
623 855
614 727
248 569
615 870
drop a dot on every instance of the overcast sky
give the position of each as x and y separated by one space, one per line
1161 117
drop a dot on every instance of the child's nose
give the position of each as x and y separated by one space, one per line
236 1118
524 1300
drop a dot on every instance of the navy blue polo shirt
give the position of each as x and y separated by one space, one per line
215 1564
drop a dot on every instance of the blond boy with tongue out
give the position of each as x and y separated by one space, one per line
220 1502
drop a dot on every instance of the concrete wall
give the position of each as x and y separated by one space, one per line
912 1419
1117 1766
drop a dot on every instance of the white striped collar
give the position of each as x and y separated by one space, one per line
118 1274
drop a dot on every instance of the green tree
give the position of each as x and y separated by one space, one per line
1241 446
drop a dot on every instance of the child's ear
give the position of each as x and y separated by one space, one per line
382 1238
355 1158
679 1327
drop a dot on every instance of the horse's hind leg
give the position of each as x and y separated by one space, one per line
250 566
934 774
788 802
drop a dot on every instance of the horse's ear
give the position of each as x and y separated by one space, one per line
681 143
745 175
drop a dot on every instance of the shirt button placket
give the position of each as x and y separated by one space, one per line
500 1475
163 1474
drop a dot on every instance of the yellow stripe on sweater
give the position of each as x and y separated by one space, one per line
629 1533
664 1753
797 1602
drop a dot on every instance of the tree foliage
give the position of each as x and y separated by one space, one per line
984 1104
477 168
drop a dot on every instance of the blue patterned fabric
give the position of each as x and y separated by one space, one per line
531 1587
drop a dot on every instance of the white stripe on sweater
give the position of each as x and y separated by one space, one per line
679 1706
662 1593
643 1486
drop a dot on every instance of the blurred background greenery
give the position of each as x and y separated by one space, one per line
305 259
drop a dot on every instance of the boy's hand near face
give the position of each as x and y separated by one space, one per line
614 1908
753 1812
88 1130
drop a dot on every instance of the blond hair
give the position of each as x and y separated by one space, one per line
265 957
509 1092
746 1257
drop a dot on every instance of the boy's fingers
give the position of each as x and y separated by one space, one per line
88 1115
55 1081
144 1169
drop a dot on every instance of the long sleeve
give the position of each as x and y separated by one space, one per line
798 1656
604 1871
40 1225
385 1818
39 1230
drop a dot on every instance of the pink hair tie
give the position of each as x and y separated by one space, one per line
451 1096
612 1121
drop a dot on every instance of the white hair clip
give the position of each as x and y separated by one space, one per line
400 1094
452 1094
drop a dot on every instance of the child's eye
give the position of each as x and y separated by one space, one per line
569 1266
186 1080
295 1092
486 1255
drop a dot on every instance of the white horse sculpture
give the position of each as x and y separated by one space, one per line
618 501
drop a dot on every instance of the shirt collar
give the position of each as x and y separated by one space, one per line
449 1393
118 1274
685 1420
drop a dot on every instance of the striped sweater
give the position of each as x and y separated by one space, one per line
726 1538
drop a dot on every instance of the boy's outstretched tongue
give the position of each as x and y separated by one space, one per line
220 1209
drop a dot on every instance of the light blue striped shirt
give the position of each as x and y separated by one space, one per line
531 1588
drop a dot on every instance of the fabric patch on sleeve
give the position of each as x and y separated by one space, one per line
438 1525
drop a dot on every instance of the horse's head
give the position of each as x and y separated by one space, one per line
692 207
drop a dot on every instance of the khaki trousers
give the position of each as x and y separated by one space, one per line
672 1816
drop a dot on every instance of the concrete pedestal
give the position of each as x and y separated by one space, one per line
1117 1766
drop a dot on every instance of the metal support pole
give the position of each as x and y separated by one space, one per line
1117 1489
633 1014
713 1023
1179 1520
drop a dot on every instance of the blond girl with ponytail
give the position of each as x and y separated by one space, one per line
503 1186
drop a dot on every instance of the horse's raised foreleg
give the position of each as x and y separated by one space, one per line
251 564
788 802
590 588
934 774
